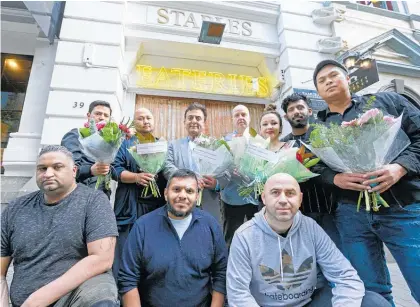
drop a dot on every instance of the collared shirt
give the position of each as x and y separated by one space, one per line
354 109
168 270
407 190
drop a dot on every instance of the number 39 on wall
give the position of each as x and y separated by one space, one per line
78 104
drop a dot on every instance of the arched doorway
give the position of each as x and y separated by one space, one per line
397 85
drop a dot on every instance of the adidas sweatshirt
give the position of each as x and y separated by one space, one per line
266 269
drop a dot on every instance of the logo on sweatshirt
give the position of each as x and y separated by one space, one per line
289 278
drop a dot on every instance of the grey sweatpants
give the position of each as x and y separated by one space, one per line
99 291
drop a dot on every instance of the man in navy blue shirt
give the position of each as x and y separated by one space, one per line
363 233
175 255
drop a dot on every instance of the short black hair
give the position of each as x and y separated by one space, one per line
294 98
183 173
196 106
56 148
100 103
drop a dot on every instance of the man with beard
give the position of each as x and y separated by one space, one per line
61 239
87 169
318 200
175 255
180 156
236 208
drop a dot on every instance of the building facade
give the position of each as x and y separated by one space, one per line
147 54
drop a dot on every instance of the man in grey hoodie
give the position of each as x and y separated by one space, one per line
274 257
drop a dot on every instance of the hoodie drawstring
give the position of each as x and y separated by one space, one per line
281 254
291 246
281 259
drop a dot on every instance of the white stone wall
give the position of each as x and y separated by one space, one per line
358 27
94 26
414 7
18 38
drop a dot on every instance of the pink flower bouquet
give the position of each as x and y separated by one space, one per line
362 145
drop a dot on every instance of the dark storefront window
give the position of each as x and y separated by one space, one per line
15 71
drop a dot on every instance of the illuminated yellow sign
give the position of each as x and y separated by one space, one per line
202 81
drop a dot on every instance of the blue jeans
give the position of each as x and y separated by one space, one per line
363 234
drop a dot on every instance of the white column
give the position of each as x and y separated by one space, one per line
22 148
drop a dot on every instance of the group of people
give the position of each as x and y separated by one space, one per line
301 245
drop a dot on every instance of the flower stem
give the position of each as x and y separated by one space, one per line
200 196
359 201
367 200
383 201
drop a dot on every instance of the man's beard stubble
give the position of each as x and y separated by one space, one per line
301 124
178 213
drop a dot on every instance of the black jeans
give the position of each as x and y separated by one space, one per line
233 218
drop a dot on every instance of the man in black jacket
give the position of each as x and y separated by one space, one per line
87 169
318 202
363 233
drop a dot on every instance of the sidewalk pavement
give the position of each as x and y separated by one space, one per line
400 291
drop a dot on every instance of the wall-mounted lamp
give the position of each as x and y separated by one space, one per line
355 60
360 59
211 32
365 63
351 60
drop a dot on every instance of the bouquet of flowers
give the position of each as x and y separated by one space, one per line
362 145
101 141
211 157
254 164
238 145
257 165
150 156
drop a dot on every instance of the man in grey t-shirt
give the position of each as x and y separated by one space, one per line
61 240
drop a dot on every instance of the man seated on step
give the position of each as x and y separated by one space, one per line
273 258
175 255
61 240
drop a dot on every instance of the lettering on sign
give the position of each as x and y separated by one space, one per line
191 20
78 104
202 81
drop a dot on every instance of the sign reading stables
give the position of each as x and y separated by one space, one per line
191 20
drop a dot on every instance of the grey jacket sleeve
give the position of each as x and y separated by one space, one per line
349 289
239 275
170 167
